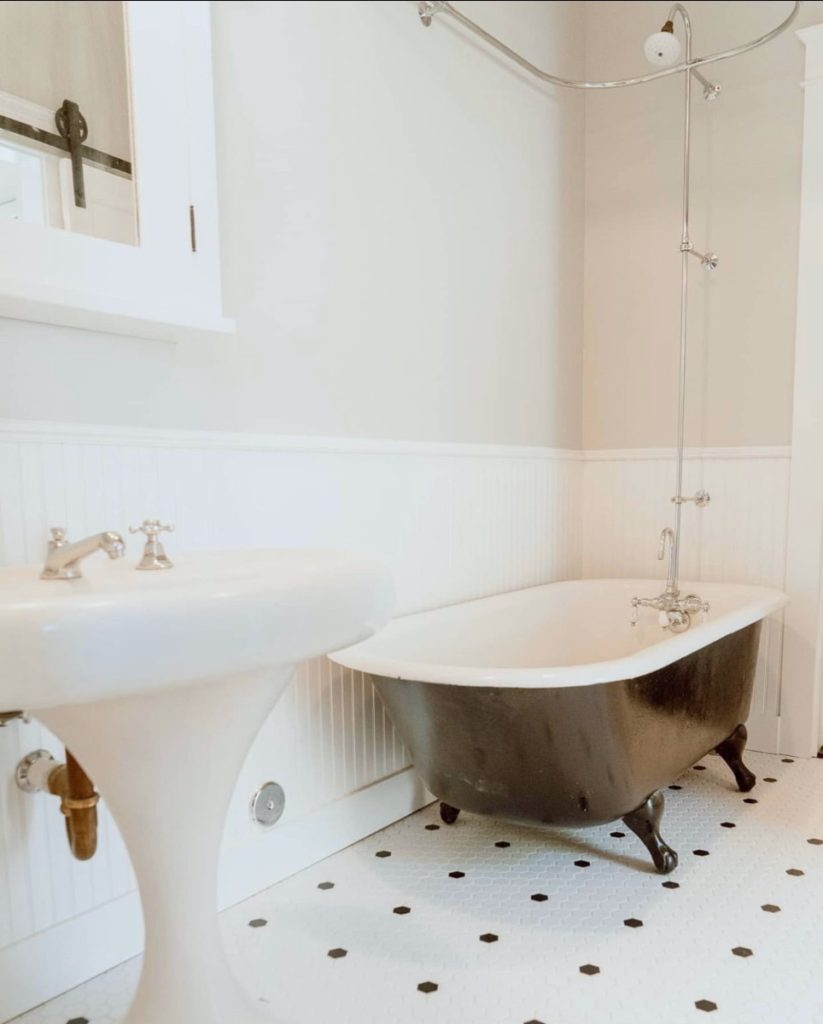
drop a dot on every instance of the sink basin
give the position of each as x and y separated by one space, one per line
117 631
158 683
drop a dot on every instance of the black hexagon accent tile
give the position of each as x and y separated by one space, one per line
699 767
326 885
771 908
582 863
539 897
589 969
743 951
749 800
258 922
432 828
337 953
727 824
633 922
795 872
768 778
489 937
675 787
787 760
502 844
617 835
670 885
383 853
700 853
815 842
401 910
535 1021
78 1020
427 986
457 874
706 1004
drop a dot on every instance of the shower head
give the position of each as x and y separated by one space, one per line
663 48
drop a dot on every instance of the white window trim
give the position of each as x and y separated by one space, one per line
800 723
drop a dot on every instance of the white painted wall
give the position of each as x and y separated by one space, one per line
402 239
745 206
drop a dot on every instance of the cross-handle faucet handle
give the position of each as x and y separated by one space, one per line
154 557
152 527
59 537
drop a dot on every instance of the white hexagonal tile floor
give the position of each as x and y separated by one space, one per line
485 923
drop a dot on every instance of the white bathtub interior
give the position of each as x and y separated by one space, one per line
570 633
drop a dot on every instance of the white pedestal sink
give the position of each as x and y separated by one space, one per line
158 683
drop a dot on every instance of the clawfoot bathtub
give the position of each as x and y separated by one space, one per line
547 707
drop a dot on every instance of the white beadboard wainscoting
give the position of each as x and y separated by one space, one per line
452 522
739 537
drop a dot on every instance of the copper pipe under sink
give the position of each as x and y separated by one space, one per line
78 802
39 772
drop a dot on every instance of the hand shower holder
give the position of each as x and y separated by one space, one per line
700 498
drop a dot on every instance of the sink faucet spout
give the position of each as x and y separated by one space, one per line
63 558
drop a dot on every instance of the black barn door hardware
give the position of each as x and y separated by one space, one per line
73 132
74 128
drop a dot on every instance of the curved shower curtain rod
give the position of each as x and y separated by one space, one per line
427 9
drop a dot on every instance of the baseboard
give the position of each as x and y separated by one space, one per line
249 867
53 961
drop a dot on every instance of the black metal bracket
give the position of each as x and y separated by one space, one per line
73 131
74 128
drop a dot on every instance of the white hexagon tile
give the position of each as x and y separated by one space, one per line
484 923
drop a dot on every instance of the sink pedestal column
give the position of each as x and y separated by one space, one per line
166 762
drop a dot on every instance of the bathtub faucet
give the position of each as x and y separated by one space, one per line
675 612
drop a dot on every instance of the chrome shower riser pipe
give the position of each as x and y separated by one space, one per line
685 246
708 87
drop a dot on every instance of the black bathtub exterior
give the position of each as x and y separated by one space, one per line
579 755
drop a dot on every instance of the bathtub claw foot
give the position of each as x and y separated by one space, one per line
448 813
731 750
645 823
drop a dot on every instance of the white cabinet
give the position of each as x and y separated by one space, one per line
167 285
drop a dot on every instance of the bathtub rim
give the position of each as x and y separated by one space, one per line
760 604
